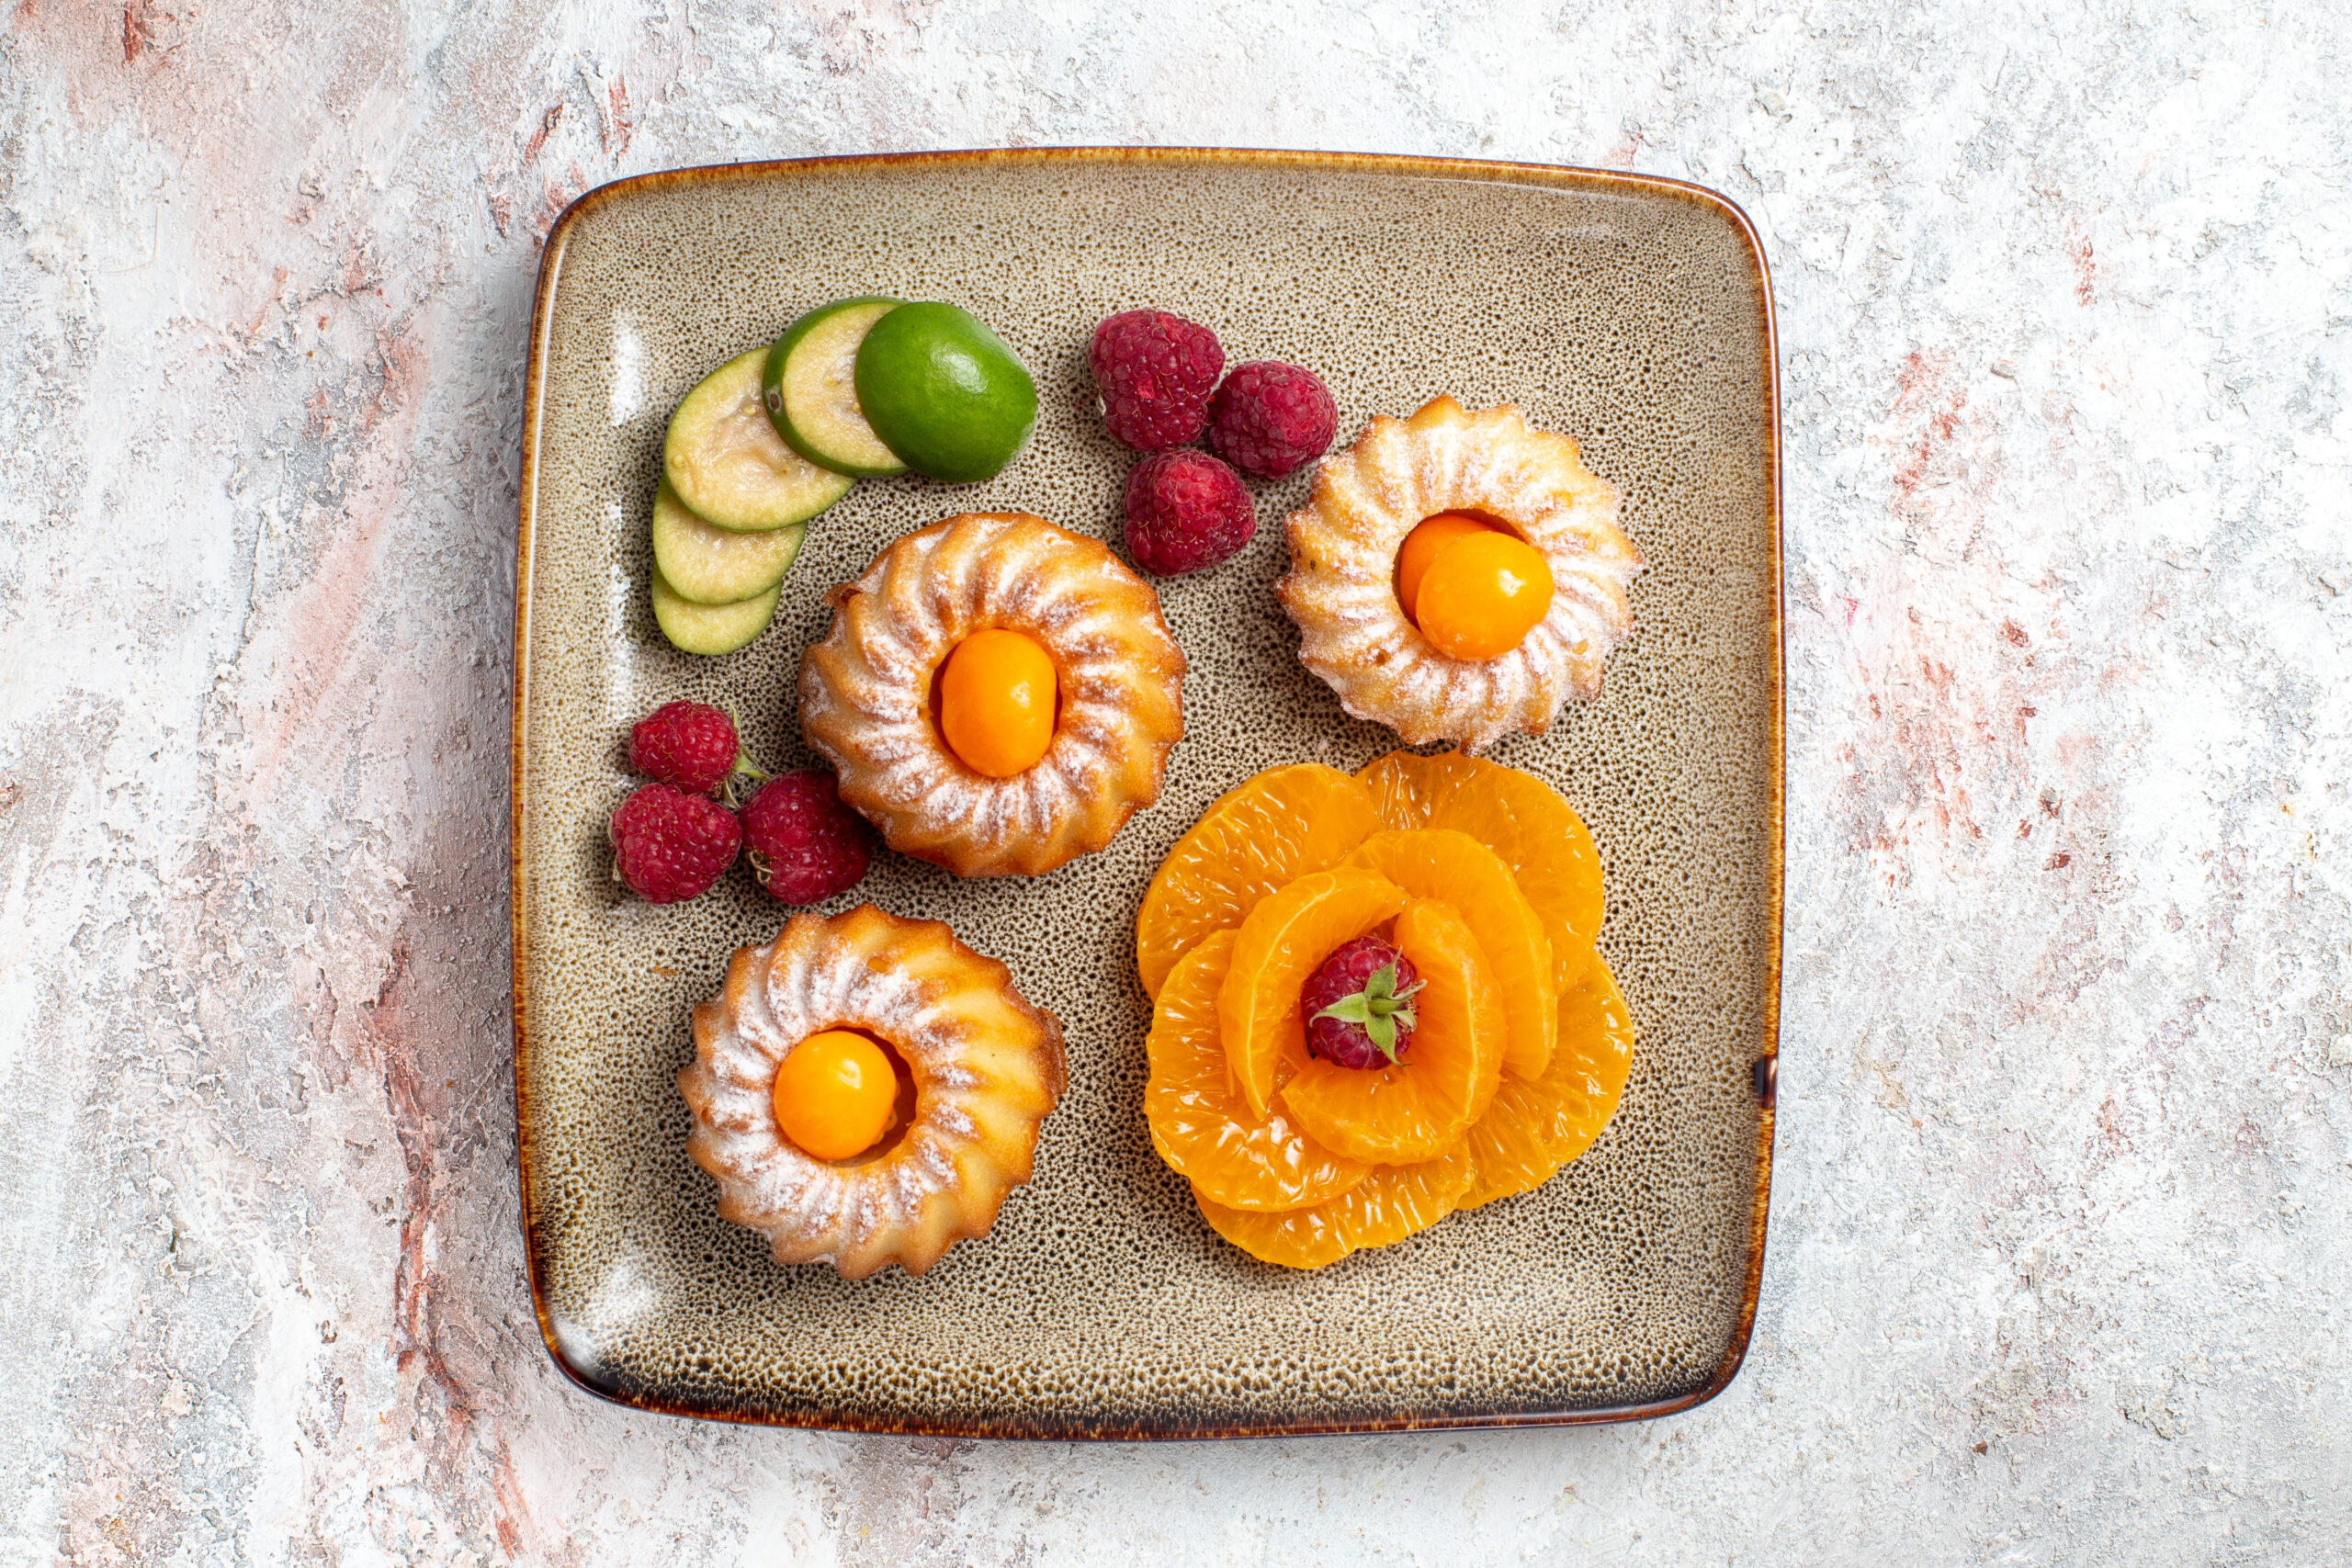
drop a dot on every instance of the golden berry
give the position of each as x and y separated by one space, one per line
1429 536
836 1094
1482 594
995 702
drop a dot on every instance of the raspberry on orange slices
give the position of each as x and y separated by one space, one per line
1376 1000
1359 1007
1417 1109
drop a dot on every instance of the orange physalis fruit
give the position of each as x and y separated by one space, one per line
1279 946
1260 836
1536 1126
1518 816
1482 594
1417 1107
1202 1126
997 693
1393 1203
836 1094
1429 536
1447 863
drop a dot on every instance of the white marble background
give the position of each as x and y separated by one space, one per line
2060 1263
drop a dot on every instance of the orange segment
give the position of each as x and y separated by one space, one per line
1286 937
1411 1110
1393 1203
1447 863
1535 1127
1519 817
1279 826
1201 1127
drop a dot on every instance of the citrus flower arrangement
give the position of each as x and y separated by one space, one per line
1376 1000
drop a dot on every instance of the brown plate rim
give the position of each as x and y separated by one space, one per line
1765 1070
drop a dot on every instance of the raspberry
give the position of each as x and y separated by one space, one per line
690 746
804 844
668 845
1360 995
1269 417
1185 510
1156 372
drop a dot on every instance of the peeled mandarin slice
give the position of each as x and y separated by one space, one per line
1449 864
1393 1203
1279 947
1202 1128
1412 1110
1518 816
1403 786
1536 1126
1267 833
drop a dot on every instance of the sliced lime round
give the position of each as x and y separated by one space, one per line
710 628
809 387
729 464
718 566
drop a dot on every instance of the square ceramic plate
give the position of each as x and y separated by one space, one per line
1631 313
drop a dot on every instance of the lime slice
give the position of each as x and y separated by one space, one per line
729 464
716 566
710 628
944 392
808 384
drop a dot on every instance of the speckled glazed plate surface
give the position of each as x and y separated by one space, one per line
1631 313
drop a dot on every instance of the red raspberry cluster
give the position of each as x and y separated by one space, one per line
673 841
1158 375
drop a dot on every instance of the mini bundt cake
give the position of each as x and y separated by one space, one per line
936 1137
998 695
1528 505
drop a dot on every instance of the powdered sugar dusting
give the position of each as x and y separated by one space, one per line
1355 635
866 693
938 1005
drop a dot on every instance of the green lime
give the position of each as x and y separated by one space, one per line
944 392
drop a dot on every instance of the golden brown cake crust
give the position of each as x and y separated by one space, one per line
1340 586
988 1067
866 693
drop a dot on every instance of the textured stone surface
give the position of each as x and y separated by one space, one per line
2059 1265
